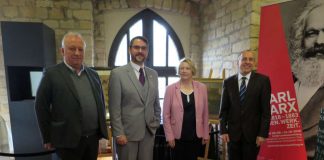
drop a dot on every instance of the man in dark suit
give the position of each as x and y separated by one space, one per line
245 110
70 105
134 104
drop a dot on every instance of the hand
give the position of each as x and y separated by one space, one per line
48 146
260 140
171 143
121 140
204 141
225 138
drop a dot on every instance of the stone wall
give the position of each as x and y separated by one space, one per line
226 32
229 26
62 16
220 29
86 17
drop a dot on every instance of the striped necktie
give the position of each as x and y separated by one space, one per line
242 90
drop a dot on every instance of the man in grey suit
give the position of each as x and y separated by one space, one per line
70 106
134 104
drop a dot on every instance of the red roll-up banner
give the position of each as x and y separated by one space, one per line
286 137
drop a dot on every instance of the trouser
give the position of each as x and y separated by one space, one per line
87 149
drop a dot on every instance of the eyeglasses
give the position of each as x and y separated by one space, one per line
143 48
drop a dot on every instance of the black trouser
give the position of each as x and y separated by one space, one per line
187 150
87 149
242 150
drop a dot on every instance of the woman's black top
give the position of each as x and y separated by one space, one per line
188 132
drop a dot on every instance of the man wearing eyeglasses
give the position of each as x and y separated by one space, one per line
134 104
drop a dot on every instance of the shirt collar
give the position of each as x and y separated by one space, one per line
73 70
136 66
247 76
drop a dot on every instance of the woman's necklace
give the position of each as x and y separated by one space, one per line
187 90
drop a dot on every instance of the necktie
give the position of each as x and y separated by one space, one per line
141 76
242 89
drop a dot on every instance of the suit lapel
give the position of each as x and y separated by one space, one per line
196 90
65 72
178 94
235 89
134 80
249 87
151 84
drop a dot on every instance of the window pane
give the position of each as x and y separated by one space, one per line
162 83
121 56
159 44
136 29
172 80
173 59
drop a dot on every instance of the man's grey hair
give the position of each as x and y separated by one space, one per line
239 57
298 30
72 34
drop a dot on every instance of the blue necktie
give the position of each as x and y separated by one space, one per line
141 76
242 90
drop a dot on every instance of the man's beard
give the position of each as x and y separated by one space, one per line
309 69
138 58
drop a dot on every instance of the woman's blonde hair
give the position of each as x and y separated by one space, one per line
191 64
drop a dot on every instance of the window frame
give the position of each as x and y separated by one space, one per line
147 17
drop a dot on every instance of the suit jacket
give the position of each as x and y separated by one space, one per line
173 111
58 108
130 112
252 118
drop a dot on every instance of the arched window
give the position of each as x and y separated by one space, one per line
165 49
